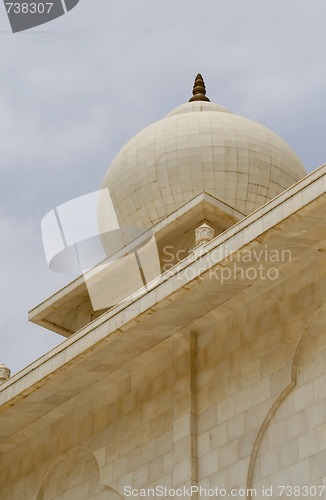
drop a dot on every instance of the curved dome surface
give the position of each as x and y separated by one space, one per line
199 146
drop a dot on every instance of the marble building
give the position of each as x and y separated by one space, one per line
210 379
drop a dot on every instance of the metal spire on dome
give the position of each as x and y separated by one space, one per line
199 90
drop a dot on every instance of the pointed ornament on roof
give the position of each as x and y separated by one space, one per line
199 90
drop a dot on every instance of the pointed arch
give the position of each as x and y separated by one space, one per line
74 468
281 397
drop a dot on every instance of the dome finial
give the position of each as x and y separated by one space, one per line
199 90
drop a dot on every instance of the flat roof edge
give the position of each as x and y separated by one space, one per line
119 317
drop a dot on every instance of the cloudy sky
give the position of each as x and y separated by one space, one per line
73 92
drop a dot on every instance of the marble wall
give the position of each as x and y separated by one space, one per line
237 400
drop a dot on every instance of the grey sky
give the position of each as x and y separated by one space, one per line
74 92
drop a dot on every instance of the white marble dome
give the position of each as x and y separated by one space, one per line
199 146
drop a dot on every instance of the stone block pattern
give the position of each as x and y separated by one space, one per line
236 399
261 396
137 427
198 149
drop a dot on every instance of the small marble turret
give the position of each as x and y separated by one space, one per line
4 373
204 234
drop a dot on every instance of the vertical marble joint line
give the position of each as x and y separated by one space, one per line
194 416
